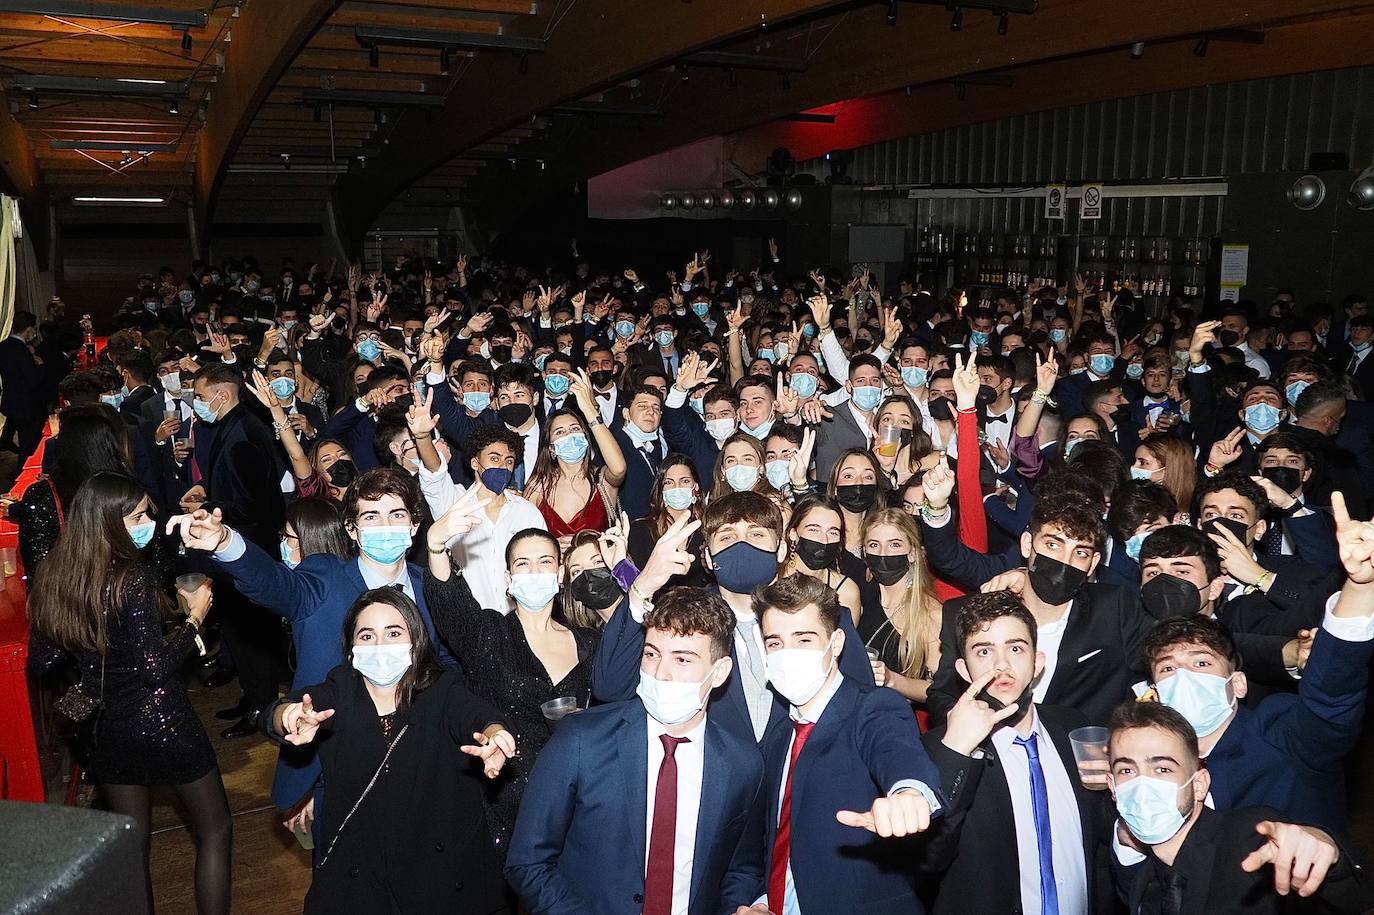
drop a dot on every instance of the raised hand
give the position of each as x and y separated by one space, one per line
433 322
818 278
938 483
788 403
1277 497
300 722
219 344
1236 558
462 516
1013 580
799 464
735 318
892 328
820 310
1301 856
200 530
1226 450
631 276
966 381
420 418
1046 374
670 556
903 814
773 248
1354 543
319 322
493 750
998 454
814 411
1204 333
614 542
262 390
971 720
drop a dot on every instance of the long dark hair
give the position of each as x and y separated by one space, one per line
658 509
90 566
424 665
880 476
319 527
547 467
803 508
92 438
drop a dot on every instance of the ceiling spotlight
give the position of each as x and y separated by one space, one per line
769 199
374 56
727 199
444 59
173 107
1200 49
891 12
747 199
1138 50
1361 195
687 200
1003 23
33 99
682 73
186 41
793 199
668 202
956 21
542 165
1307 193
708 201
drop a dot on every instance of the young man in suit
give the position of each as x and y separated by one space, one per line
698 436
381 508
1201 861
20 376
692 841
136 372
1089 631
1003 759
852 760
744 547
641 441
1352 357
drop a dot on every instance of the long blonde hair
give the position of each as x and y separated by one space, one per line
915 627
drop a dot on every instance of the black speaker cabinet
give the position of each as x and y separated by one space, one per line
69 860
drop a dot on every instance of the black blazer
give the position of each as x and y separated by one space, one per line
419 841
1099 656
974 843
239 471
20 376
1209 861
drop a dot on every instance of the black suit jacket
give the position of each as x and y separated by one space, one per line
238 469
1098 659
974 844
1209 861
20 376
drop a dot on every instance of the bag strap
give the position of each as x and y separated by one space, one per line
358 803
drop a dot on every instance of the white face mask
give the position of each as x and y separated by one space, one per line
382 665
671 702
720 429
1149 808
797 673
171 382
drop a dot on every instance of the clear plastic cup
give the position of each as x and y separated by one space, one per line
1090 753
888 441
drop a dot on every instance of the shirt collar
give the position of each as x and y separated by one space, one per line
1004 736
656 729
822 699
373 580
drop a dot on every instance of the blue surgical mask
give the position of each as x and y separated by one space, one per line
803 384
979 338
701 308
1135 370
1294 391
476 401
766 354
679 497
741 477
1133 545
809 330
1070 444
286 555
1149 808
369 349
385 543
142 534
699 405
664 338
114 400
204 412
1262 417
913 376
382 665
779 474
625 329
283 387
1199 697
1140 473
187 296
867 396
571 448
1101 363
533 590
539 363
557 385
1058 335
171 383
762 431
1360 347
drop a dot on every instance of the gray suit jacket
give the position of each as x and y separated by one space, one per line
833 436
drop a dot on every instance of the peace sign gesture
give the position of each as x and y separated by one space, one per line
1227 450
462 516
299 721
614 542
1046 374
670 556
799 464
788 402
420 418
892 328
965 381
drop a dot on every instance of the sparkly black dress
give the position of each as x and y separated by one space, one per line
39 521
501 668
147 733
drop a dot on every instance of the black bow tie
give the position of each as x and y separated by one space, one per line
996 419
604 395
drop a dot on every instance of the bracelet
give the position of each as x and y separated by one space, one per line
931 514
1210 469
637 594
442 549
223 539
801 490
1043 397
279 428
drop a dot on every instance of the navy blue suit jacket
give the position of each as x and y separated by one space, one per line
685 433
640 472
314 598
865 741
354 429
615 672
1289 752
579 843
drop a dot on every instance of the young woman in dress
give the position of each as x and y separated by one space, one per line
906 634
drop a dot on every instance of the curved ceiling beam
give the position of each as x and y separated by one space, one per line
595 45
18 167
267 37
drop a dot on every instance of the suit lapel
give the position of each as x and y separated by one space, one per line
712 811
832 720
1196 862
1075 630
633 751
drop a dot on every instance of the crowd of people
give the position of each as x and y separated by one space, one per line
577 591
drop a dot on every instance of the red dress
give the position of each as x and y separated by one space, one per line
590 517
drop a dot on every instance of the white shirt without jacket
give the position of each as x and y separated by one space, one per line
481 552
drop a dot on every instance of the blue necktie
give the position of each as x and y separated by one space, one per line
1040 806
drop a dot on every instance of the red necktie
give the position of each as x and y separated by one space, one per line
782 841
191 442
658 876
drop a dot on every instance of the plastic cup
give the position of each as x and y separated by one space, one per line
9 561
872 654
1090 753
189 581
889 441
555 710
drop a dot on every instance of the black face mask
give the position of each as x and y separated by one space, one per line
816 555
597 588
342 473
888 570
501 353
1289 479
1055 582
857 497
1228 337
1236 527
515 414
601 377
986 395
941 408
1023 702
1168 596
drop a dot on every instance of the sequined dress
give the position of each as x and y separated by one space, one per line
501 668
147 732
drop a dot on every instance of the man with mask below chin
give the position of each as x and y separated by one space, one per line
744 546
693 840
852 760
1202 860
1090 632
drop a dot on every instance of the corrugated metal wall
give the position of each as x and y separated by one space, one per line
1261 125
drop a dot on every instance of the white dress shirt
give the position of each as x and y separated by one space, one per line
1066 830
531 452
1254 359
691 770
1000 431
862 422
608 405
481 552
1048 637
374 580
